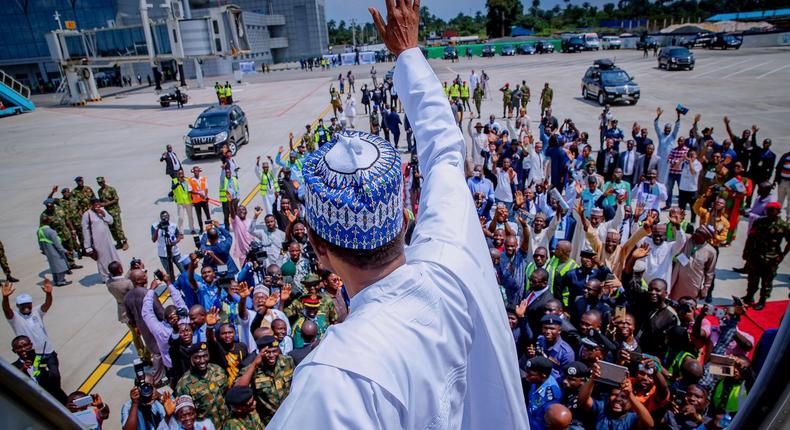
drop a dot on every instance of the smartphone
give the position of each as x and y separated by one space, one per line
612 374
83 401
258 208
635 357
619 313
197 241
158 274
721 365
207 222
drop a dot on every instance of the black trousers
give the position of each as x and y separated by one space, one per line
687 198
204 207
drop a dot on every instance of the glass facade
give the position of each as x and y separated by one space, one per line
24 23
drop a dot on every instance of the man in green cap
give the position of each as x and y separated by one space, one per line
269 375
524 95
545 98
109 201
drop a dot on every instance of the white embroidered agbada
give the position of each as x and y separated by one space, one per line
428 346
96 231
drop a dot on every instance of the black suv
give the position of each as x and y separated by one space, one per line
488 51
450 53
544 47
572 44
607 83
725 41
675 57
215 127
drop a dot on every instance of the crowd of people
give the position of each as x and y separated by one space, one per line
603 270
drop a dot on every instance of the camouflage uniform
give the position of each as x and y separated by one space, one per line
57 220
207 392
250 422
106 194
506 93
524 96
83 197
296 309
763 253
546 97
69 205
4 261
271 386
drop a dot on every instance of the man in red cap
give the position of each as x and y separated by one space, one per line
763 253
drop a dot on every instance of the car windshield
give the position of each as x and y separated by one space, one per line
679 52
576 40
507 47
615 77
729 38
209 121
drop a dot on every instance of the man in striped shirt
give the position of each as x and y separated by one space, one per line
675 160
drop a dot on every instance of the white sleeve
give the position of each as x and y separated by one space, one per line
365 405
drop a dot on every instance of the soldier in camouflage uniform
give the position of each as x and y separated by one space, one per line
763 253
82 195
311 283
546 96
69 205
62 226
524 95
109 201
206 383
242 410
4 265
269 376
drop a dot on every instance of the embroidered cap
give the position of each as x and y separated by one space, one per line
353 191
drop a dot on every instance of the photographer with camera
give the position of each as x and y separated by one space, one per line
166 235
144 409
162 330
271 237
216 249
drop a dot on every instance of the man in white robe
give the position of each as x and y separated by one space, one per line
96 231
427 343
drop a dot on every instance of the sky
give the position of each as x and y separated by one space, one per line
445 9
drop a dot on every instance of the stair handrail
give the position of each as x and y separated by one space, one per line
15 85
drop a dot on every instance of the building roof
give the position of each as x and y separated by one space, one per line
755 15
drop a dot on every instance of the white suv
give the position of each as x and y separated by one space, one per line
611 42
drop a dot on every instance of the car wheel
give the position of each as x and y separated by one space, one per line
246 135
601 99
584 92
691 67
232 146
633 103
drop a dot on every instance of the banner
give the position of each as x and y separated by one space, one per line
367 57
247 67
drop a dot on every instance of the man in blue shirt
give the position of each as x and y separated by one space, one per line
614 133
590 195
620 411
552 346
478 184
217 249
543 390
575 280
559 162
393 123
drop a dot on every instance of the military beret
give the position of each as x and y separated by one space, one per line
311 302
539 364
78 179
49 201
100 179
551 319
588 252
576 369
773 205
95 200
266 341
238 396
196 348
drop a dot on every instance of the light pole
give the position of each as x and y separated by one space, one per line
149 42
56 15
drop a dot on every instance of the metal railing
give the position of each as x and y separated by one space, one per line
15 85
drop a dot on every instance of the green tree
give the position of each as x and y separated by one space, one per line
502 14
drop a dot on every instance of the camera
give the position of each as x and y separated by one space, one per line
146 389
257 253
136 262
198 251
182 313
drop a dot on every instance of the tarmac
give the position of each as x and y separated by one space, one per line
123 136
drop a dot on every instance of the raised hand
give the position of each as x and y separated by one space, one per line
271 301
659 111
641 252
521 221
244 290
47 287
8 289
521 309
401 29
286 292
167 402
212 316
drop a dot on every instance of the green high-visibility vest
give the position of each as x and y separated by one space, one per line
42 238
223 187
733 400
228 92
181 192
266 179
527 273
554 268
454 91
464 92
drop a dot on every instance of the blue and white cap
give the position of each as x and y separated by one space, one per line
354 190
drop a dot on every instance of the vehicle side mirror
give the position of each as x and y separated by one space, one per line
234 123
191 126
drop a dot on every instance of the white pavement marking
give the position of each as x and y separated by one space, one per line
451 70
720 69
773 71
744 70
